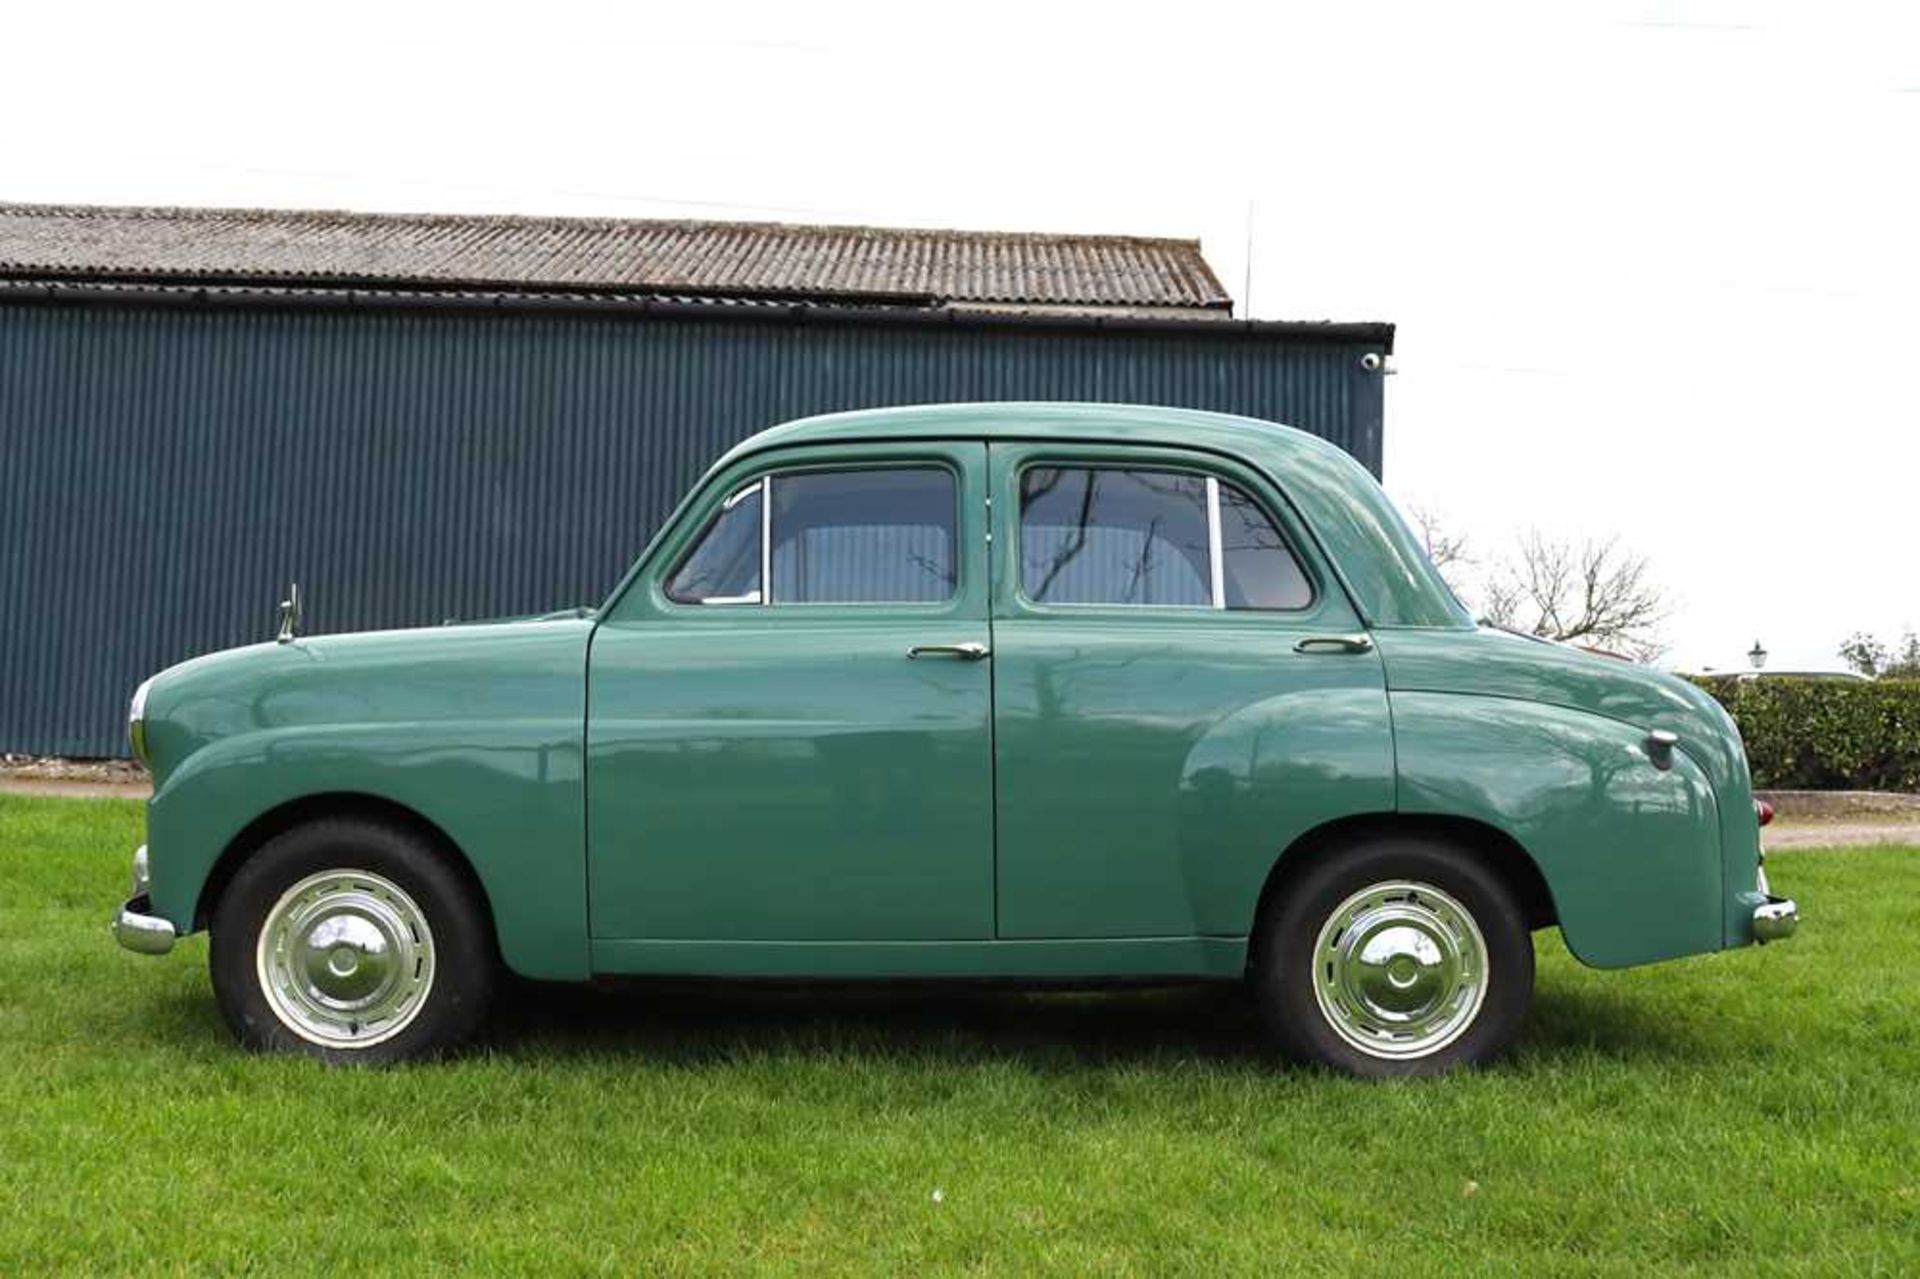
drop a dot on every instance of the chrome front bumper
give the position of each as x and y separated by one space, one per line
1777 917
134 927
140 932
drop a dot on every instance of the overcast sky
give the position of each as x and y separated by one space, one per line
1653 263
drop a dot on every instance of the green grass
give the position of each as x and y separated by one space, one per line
1757 1110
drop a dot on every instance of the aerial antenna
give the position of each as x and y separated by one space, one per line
1246 287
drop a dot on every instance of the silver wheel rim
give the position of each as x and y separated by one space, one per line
346 959
1400 970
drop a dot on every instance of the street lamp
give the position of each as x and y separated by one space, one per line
1757 655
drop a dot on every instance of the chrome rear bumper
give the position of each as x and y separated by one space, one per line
134 927
1777 917
1775 920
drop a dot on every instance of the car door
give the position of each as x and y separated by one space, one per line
1181 690
789 723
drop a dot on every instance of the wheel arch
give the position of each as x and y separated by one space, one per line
335 804
1516 869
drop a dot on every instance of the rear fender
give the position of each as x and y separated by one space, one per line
1630 852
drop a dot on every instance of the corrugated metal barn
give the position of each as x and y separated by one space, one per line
419 418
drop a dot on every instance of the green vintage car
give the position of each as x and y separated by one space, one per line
1028 692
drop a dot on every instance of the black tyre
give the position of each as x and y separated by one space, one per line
352 941
1393 957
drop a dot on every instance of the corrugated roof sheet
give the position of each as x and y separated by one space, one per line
715 259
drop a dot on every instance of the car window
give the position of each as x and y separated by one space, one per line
1102 535
864 537
724 565
1122 535
872 536
1257 568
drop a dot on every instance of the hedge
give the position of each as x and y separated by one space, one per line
1826 734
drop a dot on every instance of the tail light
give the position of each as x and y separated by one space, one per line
1762 811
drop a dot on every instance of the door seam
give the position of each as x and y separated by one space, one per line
993 702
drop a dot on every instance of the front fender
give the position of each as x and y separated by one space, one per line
508 795
1630 853
477 729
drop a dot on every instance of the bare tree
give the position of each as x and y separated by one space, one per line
1595 594
1445 549
1863 653
1870 656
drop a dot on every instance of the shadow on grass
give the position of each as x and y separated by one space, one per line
696 1023
699 1022
1616 1025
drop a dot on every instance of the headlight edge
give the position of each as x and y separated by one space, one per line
137 720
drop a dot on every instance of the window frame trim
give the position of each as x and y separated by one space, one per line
766 541
1216 553
699 539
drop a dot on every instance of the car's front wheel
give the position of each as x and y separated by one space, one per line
1394 957
351 940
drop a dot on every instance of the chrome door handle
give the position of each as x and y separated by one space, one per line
967 652
1335 644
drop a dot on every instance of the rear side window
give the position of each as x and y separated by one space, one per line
1107 536
876 536
1257 568
1131 536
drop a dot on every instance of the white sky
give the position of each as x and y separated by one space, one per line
1653 261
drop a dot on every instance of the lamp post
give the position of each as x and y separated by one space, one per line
1757 655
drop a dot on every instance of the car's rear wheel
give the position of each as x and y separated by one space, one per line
351 940
1393 957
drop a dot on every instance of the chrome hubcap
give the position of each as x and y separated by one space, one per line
346 959
1400 970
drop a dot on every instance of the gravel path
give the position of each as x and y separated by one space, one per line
1838 834
63 789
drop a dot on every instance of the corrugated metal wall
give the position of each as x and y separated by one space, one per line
166 471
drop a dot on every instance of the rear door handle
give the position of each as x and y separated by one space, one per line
967 652
1335 644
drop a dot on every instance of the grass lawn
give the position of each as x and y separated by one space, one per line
1757 1110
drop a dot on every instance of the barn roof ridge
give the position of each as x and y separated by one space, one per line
925 266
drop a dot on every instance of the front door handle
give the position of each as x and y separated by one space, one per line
1335 644
967 652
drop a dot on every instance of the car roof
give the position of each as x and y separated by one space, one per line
1382 565
1045 420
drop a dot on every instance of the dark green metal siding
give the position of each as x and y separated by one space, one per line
165 471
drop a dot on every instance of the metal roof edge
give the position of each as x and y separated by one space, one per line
54 291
